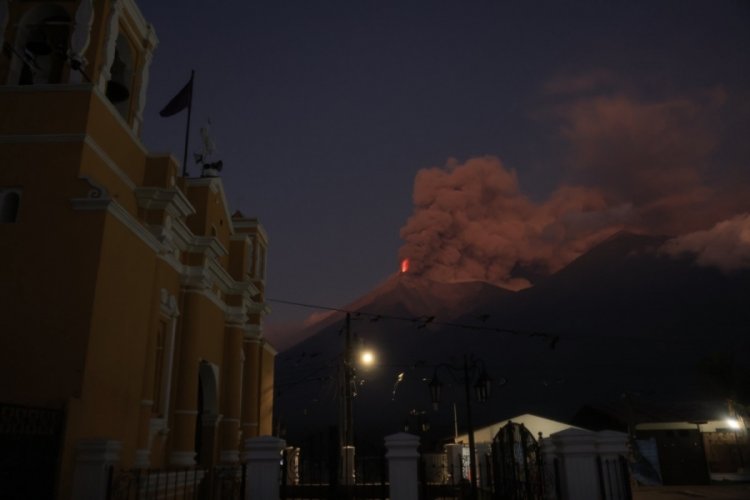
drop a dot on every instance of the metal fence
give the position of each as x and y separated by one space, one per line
318 479
217 483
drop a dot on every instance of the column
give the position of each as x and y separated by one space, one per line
232 395
403 459
262 458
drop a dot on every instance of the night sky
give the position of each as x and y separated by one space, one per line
324 112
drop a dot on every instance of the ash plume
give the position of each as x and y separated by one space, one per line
646 165
472 222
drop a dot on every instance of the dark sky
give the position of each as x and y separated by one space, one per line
323 112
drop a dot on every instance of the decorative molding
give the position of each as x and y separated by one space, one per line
136 16
66 138
186 412
44 138
253 224
207 245
172 200
196 279
182 458
168 304
142 459
157 426
90 142
235 317
110 39
229 456
45 87
269 348
121 214
81 37
216 186
150 43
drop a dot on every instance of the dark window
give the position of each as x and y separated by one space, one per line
10 201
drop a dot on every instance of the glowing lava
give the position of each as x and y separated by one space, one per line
404 265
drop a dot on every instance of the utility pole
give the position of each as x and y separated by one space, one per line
472 447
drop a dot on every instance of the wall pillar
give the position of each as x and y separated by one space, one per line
94 458
186 402
251 387
232 395
403 458
265 411
262 459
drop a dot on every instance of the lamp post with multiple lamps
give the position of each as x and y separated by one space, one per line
365 358
472 370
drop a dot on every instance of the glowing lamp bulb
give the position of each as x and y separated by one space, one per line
733 423
367 358
404 265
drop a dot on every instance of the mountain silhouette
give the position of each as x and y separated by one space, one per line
623 318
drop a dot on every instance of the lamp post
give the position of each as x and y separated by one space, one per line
482 388
348 383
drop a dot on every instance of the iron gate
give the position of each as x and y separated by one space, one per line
517 464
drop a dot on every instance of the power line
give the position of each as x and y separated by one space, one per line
423 321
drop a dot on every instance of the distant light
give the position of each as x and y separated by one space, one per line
733 424
367 358
405 266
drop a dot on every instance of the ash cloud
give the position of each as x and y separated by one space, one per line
646 165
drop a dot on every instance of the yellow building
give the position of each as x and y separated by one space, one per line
131 301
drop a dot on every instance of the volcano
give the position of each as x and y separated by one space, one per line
621 319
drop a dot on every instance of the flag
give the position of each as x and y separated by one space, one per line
179 102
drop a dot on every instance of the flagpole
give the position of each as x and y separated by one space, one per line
187 129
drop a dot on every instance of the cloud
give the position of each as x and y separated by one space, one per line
726 245
472 222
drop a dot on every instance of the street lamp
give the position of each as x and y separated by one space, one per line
366 359
481 387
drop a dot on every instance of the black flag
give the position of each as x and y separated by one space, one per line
179 102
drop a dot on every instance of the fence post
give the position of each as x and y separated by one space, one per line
577 451
402 458
550 471
454 463
94 460
262 460
611 446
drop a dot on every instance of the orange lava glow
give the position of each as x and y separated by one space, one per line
405 265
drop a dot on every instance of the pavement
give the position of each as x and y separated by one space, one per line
707 492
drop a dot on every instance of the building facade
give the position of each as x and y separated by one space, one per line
131 299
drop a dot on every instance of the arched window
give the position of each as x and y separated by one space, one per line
41 48
121 76
9 203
